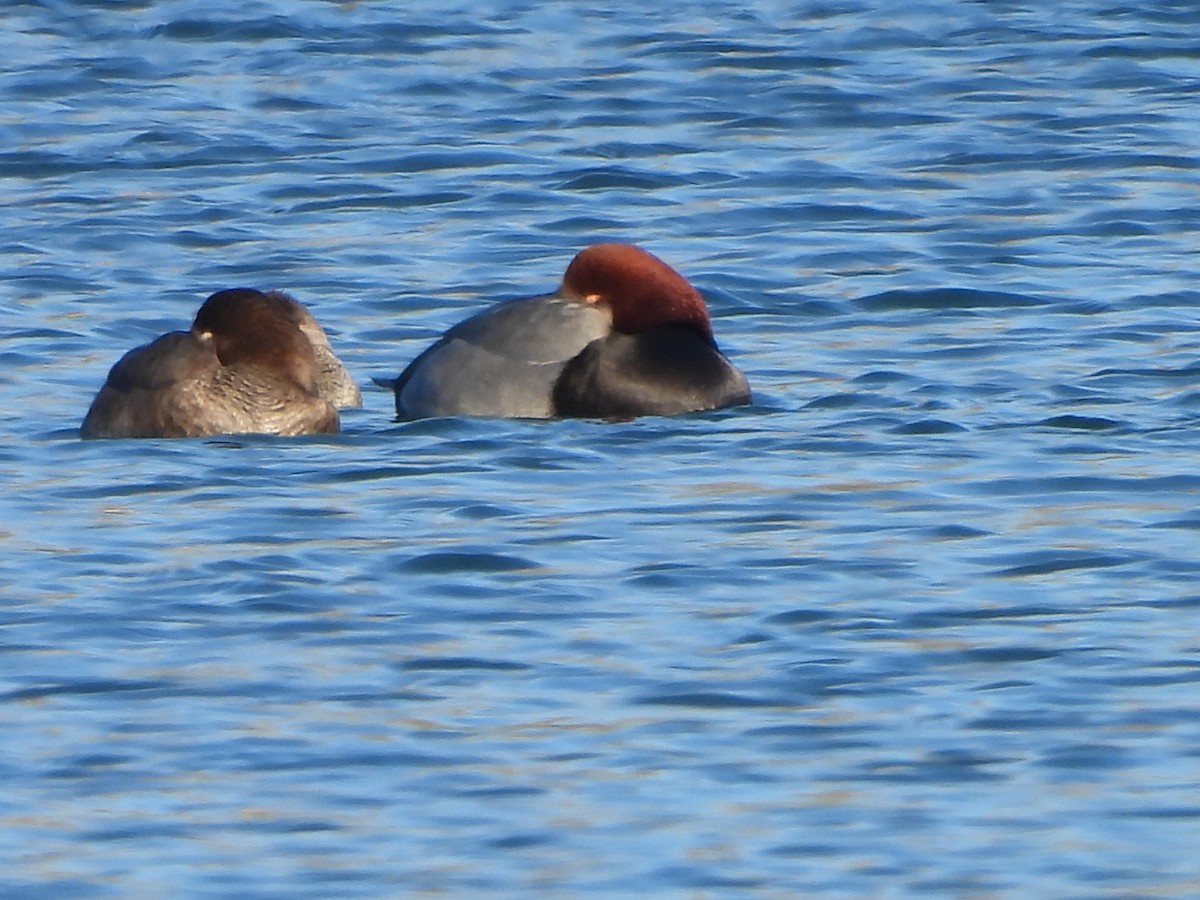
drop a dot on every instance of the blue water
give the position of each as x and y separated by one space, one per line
924 621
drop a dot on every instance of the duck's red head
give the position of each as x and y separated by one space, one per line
641 290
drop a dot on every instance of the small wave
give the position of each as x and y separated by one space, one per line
449 562
945 298
928 426
1079 423
608 177
457 663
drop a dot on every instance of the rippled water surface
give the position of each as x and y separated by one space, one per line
921 622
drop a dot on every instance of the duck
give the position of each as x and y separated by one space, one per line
252 362
624 335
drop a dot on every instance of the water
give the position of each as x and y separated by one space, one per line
922 622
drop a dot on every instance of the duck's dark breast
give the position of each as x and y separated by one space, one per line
662 371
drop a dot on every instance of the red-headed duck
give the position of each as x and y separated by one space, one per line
624 335
252 363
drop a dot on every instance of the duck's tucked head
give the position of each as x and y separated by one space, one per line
640 289
248 327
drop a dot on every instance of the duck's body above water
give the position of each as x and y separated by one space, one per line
625 335
252 362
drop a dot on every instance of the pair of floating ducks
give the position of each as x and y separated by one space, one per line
625 335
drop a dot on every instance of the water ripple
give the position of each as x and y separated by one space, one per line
934 588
